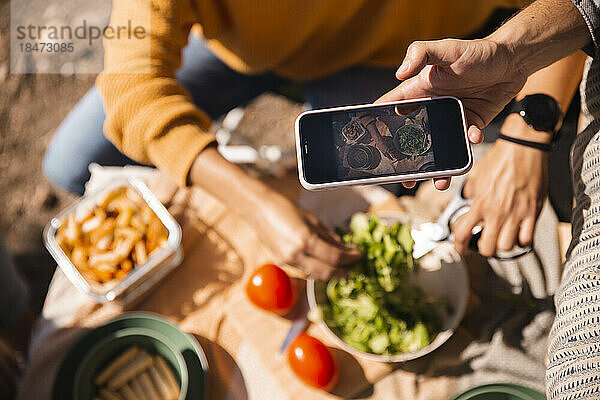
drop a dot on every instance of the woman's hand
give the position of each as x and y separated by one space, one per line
508 187
298 238
294 236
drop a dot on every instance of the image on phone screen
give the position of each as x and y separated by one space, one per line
381 141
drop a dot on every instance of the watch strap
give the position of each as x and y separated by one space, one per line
527 143
520 107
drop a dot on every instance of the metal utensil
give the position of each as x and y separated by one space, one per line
299 323
298 326
428 235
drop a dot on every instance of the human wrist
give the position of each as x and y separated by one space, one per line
541 34
515 126
512 44
229 183
521 158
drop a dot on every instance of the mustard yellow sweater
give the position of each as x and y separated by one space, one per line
151 118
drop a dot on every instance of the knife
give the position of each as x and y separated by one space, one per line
299 323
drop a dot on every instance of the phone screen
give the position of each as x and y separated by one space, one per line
387 140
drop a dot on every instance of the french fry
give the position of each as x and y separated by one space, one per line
148 387
137 223
110 196
166 375
90 276
107 267
139 252
155 235
123 232
100 213
102 276
132 195
122 249
124 217
142 361
79 257
91 224
146 214
72 230
126 265
104 243
106 228
121 204
120 274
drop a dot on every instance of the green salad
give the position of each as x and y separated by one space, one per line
412 140
374 309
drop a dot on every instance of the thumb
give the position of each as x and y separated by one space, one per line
420 54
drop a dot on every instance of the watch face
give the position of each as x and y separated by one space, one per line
541 112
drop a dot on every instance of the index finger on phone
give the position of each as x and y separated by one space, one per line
409 89
406 109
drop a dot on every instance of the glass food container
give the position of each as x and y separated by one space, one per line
141 278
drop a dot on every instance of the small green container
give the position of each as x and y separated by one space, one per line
500 391
115 344
74 380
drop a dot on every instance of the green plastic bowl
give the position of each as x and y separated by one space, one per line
144 329
500 391
116 343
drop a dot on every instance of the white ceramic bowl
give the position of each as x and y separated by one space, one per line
437 278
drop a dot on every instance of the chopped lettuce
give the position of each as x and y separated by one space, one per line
374 309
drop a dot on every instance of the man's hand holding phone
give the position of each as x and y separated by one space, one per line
371 143
481 73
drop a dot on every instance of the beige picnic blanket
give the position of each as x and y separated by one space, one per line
204 297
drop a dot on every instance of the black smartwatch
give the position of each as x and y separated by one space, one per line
541 112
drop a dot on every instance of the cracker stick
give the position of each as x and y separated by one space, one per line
137 388
167 375
106 394
148 387
116 365
128 394
125 374
163 387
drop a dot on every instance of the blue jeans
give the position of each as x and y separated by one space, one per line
215 88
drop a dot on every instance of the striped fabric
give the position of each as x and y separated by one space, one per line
574 344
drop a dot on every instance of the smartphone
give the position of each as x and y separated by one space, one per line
382 143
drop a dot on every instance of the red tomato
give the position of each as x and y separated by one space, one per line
271 289
313 362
